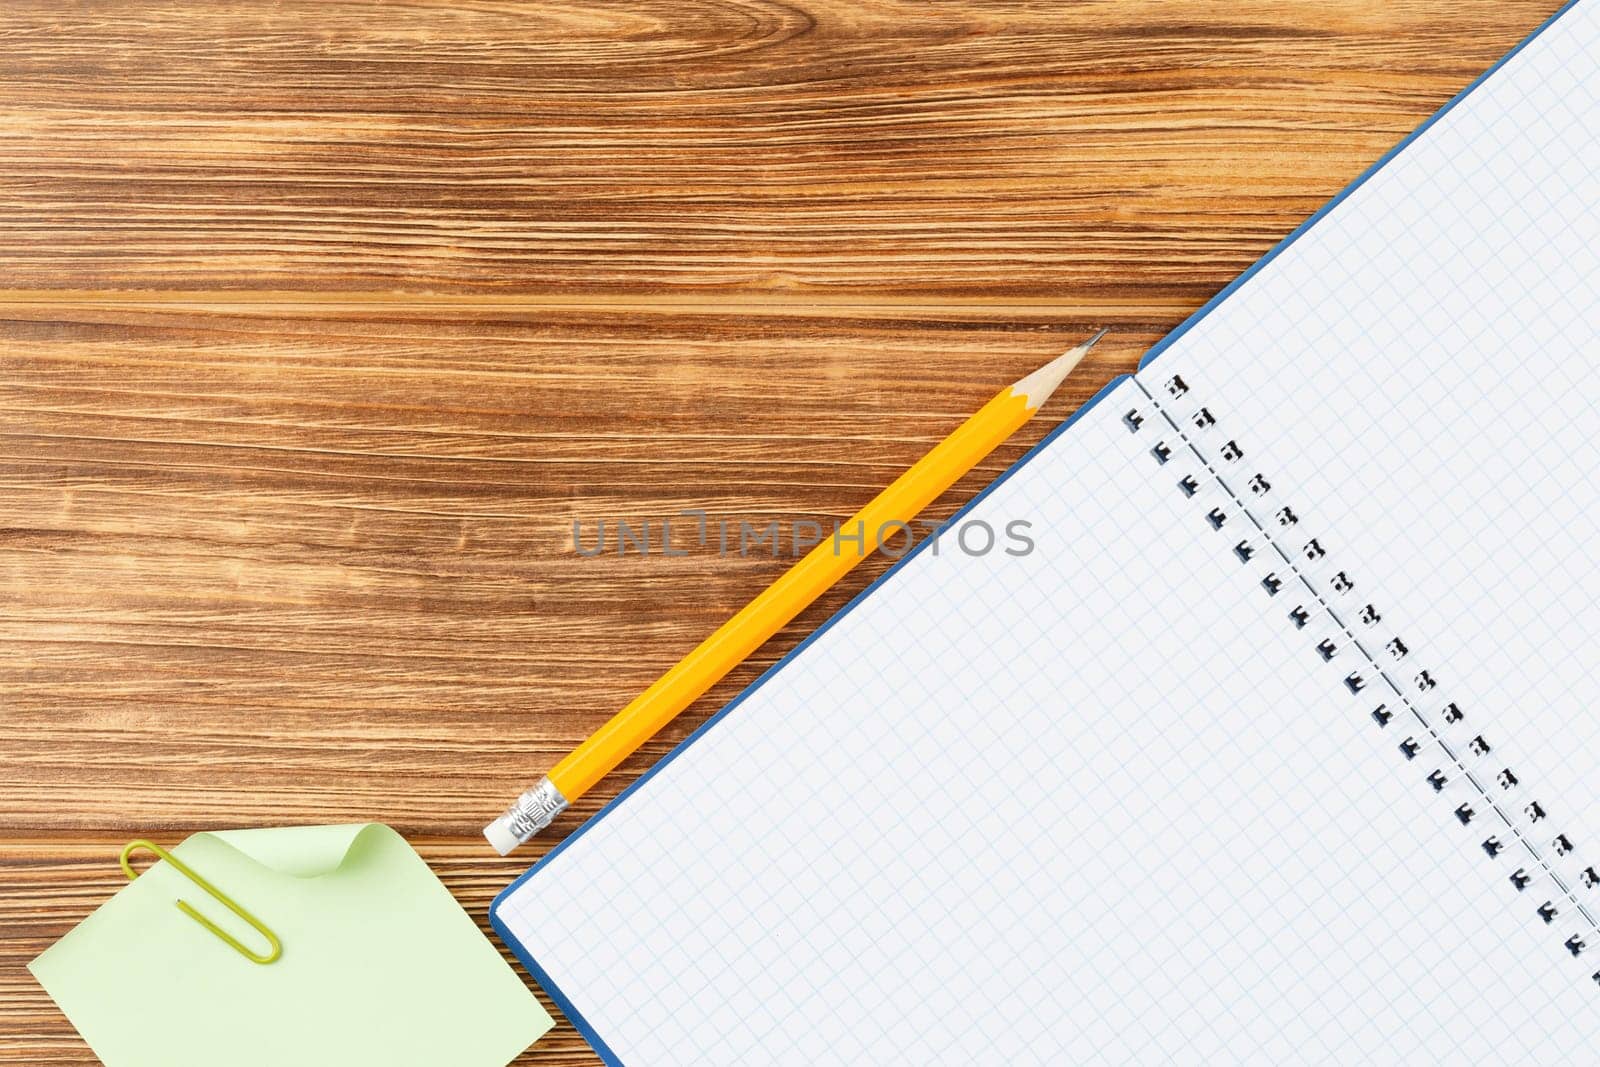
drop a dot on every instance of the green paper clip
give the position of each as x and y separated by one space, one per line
216 894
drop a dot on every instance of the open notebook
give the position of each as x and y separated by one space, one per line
1282 747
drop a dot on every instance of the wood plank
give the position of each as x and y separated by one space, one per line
957 152
48 885
263 568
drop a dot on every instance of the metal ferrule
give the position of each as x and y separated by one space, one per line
534 810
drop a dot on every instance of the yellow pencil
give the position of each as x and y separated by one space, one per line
780 602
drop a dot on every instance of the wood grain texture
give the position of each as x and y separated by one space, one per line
963 150
322 322
267 566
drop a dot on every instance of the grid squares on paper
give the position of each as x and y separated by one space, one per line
1420 378
1101 803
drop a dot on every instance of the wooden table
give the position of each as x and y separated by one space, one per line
323 323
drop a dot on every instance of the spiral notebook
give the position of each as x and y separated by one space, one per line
1282 747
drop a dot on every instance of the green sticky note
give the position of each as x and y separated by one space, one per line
380 966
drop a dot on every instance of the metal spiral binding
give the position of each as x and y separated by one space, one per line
1383 681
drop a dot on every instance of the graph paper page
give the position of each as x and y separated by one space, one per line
1132 798
1419 381
1096 804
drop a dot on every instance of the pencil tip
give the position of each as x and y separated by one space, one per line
1037 387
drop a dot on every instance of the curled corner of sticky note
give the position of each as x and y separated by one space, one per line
304 851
